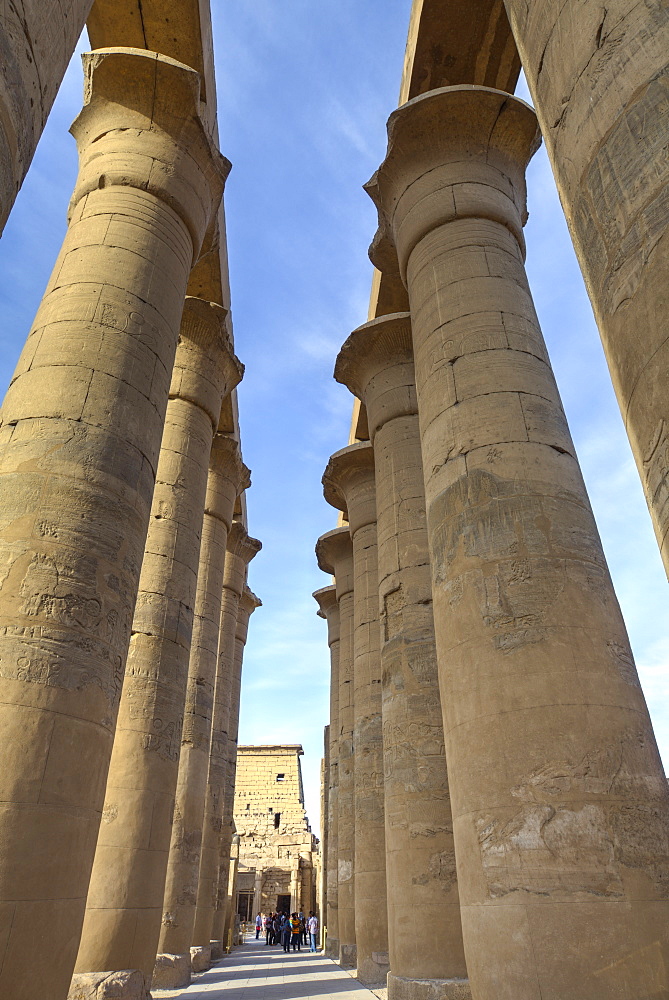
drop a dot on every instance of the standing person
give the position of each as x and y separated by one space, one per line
295 931
269 919
312 925
286 932
258 925
278 927
303 928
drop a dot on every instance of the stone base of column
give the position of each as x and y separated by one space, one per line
128 984
171 972
217 950
200 958
348 956
400 988
373 971
332 949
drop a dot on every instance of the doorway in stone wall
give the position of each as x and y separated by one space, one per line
283 903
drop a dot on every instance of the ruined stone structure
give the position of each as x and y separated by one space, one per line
278 853
122 483
526 809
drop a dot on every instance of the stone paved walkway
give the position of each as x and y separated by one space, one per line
256 972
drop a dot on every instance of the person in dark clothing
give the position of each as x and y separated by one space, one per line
286 933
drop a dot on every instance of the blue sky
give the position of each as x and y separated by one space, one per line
304 91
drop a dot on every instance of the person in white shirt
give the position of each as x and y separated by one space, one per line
312 926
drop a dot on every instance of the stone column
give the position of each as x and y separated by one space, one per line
37 42
123 911
349 486
558 794
82 425
228 477
334 553
295 886
248 602
257 893
328 607
241 548
426 954
598 75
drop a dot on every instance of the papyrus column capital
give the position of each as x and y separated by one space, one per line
248 602
228 477
334 553
453 153
140 127
348 484
206 368
376 364
328 608
241 549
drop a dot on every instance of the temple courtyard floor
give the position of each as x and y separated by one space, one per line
256 972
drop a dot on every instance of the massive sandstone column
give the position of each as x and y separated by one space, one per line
334 552
37 41
424 929
123 909
328 608
248 602
349 485
558 795
599 75
228 477
241 548
82 425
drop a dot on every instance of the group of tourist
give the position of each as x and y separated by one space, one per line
288 930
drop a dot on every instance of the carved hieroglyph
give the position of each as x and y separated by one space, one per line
328 608
599 79
348 484
82 425
241 549
228 477
123 911
334 552
559 801
376 363
36 44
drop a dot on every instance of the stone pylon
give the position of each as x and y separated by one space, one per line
123 912
348 484
558 795
334 552
37 42
328 608
228 477
598 78
376 364
248 602
82 426
241 548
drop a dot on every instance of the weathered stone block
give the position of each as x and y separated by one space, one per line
127 984
171 972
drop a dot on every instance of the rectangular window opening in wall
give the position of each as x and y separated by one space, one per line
277 820
281 777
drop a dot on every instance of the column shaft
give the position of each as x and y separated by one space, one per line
225 902
37 42
598 77
334 552
349 485
82 425
329 609
376 363
240 550
560 804
227 478
123 909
